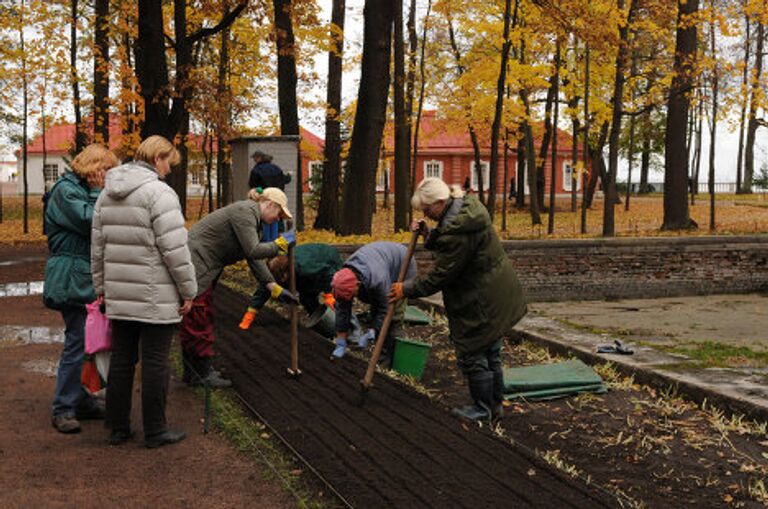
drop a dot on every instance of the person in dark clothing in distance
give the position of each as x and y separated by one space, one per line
266 174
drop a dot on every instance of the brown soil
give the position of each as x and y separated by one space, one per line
397 450
42 468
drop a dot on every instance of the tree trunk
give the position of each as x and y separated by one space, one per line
328 209
24 114
402 124
286 91
520 172
713 125
101 65
609 184
493 169
81 138
555 118
752 123
585 154
645 159
359 181
420 107
743 114
632 122
545 140
530 153
223 172
676 213
574 154
410 90
597 165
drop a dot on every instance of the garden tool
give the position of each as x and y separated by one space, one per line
367 381
294 370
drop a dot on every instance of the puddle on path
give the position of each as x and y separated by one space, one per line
47 367
21 289
17 335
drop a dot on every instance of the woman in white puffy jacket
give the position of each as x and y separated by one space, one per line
142 271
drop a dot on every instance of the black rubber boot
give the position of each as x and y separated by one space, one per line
481 390
497 410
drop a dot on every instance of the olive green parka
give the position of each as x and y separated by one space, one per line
482 295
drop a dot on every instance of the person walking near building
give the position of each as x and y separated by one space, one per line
230 234
266 174
68 284
143 272
482 295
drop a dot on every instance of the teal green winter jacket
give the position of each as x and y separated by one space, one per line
67 219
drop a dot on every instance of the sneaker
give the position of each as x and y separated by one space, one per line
340 350
168 437
120 437
66 423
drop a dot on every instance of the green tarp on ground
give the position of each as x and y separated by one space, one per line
416 316
550 381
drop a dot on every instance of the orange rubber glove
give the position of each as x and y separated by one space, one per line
329 300
396 292
248 317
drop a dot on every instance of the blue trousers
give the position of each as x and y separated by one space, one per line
69 391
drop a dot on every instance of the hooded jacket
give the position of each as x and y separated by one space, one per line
139 254
482 294
68 227
377 266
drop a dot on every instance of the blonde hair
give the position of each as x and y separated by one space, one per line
93 158
433 189
157 147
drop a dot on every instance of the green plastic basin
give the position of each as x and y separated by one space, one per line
410 357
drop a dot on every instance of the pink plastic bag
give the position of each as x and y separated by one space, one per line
98 330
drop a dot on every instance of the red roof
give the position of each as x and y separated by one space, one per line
441 135
60 138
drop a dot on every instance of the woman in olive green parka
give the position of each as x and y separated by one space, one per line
482 295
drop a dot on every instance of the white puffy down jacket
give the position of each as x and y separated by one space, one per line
139 254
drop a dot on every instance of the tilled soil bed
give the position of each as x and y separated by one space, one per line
399 449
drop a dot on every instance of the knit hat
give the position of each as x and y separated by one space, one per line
344 284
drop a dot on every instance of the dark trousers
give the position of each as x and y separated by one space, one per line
486 359
153 342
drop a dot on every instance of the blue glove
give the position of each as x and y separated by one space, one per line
340 350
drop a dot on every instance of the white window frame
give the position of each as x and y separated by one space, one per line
383 169
433 168
311 170
567 173
49 168
486 169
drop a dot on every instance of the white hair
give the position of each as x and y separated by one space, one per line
433 189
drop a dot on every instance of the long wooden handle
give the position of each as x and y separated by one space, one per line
294 313
388 318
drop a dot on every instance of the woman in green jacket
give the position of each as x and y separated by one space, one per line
482 295
68 283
